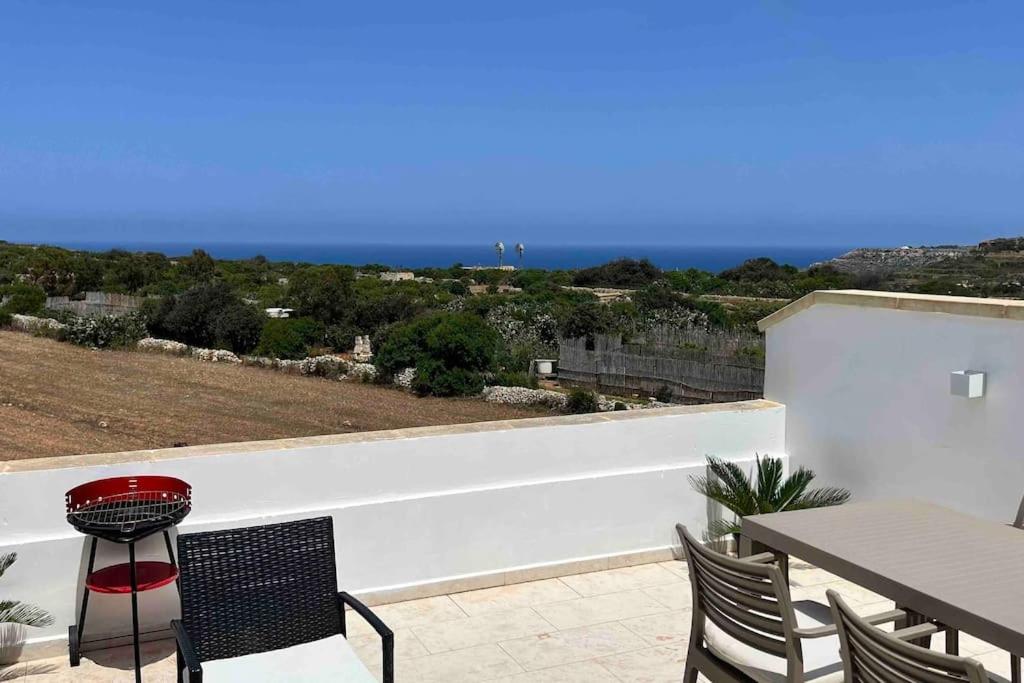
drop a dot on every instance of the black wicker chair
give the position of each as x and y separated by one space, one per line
262 604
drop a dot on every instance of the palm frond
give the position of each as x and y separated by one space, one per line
6 560
793 488
769 476
14 612
719 528
820 498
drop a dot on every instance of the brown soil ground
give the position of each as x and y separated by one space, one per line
53 397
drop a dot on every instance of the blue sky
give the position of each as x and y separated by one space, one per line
774 122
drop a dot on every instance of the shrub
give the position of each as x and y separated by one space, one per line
238 328
208 315
341 337
663 394
322 292
619 405
288 338
435 378
5 318
514 379
106 331
23 298
450 352
582 401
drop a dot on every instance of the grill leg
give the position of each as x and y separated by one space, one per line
75 632
135 613
170 556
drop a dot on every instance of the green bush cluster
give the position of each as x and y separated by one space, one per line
450 351
23 298
106 331
208 315
582 401
289 338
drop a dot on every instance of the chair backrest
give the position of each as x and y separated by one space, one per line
871 655
259 588
748 601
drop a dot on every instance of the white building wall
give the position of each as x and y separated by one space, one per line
868 403
411 507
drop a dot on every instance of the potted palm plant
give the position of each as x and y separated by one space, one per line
766 491
14 616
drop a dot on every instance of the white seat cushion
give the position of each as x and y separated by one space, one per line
328 659
821 655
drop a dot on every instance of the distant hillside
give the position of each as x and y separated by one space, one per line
884 261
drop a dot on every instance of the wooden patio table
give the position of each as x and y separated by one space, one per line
963 571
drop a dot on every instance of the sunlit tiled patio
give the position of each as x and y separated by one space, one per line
625 624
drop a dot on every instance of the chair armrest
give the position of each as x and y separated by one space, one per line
387 636
914 632
816 631
830 629
760 558
187 653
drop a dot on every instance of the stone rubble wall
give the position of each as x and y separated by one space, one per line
522 396
34 325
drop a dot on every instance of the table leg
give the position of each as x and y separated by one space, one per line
913 619
1014 669
952 642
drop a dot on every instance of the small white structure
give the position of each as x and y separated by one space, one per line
967 383
543 367
397 276
362 352
279 312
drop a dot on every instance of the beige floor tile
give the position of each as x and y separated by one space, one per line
805 574
599 609
12 672
652 665
492 627
969 645
677 567
995 662
580 672
407 614
621 579
851 592
576 645
481 663
674 596
503 598
662 629
369 648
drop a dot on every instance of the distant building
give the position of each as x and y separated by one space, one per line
279 312
500 289
283 281
397 276
489 268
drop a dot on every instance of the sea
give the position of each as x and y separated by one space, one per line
549 257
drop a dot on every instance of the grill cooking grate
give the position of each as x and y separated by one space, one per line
124 509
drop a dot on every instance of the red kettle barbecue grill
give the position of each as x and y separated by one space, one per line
126 510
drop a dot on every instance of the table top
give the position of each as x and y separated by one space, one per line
964 571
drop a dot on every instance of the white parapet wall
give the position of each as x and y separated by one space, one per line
416 511
865 377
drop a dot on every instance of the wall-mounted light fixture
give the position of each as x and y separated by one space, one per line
967 383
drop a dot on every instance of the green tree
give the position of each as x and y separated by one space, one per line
322 292
23 298
289 338
450 351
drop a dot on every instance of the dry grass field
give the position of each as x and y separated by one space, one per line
60 399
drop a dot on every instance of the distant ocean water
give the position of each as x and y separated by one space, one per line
549 257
